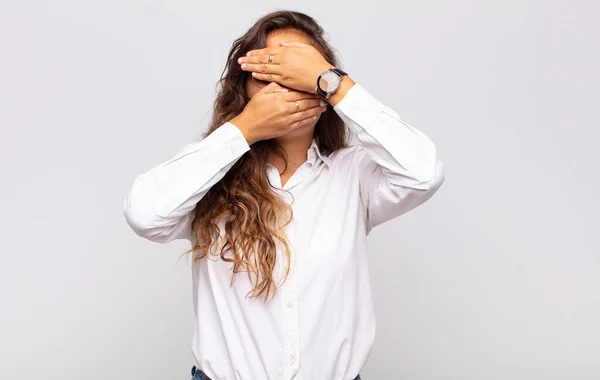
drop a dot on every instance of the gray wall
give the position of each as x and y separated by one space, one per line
497 277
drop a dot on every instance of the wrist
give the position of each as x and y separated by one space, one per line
345 85
244 127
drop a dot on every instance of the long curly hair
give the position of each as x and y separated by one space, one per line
244 202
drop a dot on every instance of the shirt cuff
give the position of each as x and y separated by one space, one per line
227 136
361 107
232 134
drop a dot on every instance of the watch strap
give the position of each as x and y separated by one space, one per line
322 93
339 71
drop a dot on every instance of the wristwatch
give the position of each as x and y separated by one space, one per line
329 82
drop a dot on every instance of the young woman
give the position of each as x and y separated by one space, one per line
278 205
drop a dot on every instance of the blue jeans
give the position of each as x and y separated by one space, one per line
199 375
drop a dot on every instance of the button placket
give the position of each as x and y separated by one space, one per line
291 338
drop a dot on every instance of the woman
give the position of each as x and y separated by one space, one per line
278 205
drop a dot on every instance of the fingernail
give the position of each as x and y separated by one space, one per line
243 66
249 53
323 109
323 103
253 74
314 117
241 60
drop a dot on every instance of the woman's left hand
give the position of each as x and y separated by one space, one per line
293 65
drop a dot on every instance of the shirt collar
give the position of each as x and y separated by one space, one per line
314 153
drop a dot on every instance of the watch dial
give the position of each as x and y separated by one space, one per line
329 82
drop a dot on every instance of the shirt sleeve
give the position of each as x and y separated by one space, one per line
159 206
398 164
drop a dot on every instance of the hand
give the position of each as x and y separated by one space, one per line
294 65
272 112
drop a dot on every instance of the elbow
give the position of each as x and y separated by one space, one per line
137 217
430 180
146 216
134 217
425 189
143 221
437 179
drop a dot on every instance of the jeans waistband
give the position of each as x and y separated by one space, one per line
199 375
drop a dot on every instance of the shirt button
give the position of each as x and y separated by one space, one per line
292 360
290 304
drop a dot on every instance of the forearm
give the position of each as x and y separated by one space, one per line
398 165
391 143
161 198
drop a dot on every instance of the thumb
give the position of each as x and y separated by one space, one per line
272 87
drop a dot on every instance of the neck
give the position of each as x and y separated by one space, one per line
296 149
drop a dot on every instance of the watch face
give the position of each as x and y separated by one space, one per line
329 82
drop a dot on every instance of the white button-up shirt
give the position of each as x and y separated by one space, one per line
320 325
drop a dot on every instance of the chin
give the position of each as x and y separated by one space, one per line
301 133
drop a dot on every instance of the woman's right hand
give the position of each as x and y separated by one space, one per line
272 112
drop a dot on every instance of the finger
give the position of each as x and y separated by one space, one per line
261 68
293 43
306 114
293 96
264 51
303 105
263 58
267 77
272 87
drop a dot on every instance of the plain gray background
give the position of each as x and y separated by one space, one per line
497 277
